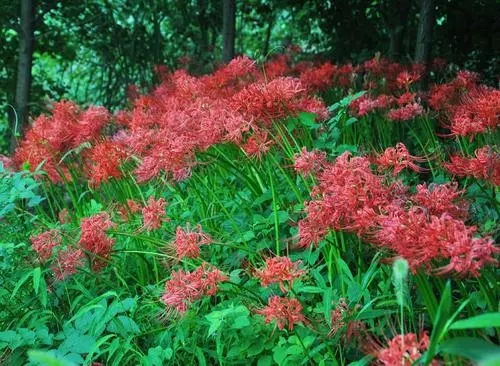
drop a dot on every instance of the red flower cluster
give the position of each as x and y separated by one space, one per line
103 162
153 214
165 128
183 288
349 197
406 112
67 263
426 228
485 165
279 270
478 113
404 350
94 240
284 311
442 198
309 162
398 158
43 243
187 243
51 137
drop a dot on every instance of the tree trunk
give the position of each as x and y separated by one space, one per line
402 8
228 29
424 36
268 37
23 84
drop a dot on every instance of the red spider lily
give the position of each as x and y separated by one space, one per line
94 240
338 321
318 78
67 263
366 104
153 214
349 197
183 288
444 96
277 67
442 198
43 243
103 162
257 144
398 158
478 113
309 162
404 349
406 78
187 243
51 137
279 270
284 311
64 216
405 113
485 165
422 239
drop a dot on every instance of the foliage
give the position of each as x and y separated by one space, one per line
232 217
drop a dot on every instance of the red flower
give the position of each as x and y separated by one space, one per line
183 288
94 239
398 158
279 270
67 263
485 165
406 112
187 243
257 144
64 216
318 78
404 350
366 104
43 243
284 311
423 239
153 214
406 78
309 162
442 198
103 162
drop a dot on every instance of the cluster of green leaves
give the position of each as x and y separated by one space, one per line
250 207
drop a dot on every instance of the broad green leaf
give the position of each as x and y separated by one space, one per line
47 359
475 349
479 321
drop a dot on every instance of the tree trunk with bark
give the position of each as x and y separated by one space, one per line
228 29
424 37
24 65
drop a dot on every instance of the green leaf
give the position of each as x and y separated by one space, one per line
310 289
75 342
479 321
265 361
215 320
439 329
123 325
21 282
350 121
47 359
37 274
241 322
157 356
478 350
